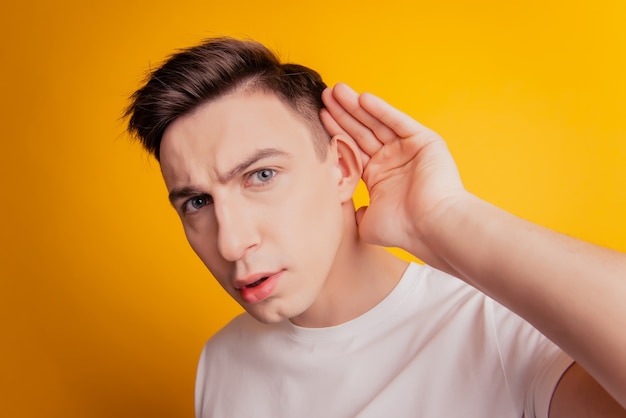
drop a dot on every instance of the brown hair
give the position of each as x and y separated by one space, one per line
214 68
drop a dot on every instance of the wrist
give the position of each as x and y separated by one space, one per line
443 226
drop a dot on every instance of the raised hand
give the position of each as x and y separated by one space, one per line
408 169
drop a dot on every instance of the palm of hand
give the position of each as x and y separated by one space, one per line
408 169
406 179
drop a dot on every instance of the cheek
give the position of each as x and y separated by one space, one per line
315 215
204 244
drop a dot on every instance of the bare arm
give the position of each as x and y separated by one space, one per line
572 291
580 395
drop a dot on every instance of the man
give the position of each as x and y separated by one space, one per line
261 160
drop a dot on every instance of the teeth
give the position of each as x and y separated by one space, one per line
258 282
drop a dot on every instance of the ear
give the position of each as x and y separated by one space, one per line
349 165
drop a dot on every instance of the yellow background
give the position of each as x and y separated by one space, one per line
104 308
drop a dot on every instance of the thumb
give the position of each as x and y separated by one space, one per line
360 213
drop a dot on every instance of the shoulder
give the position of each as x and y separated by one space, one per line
241 329
234 340
437 290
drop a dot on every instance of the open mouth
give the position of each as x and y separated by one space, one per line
255 284
261 289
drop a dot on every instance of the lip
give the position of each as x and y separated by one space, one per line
240 284
260 291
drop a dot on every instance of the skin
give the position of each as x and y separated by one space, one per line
572 291
255 200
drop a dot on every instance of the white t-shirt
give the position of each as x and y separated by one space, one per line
435 347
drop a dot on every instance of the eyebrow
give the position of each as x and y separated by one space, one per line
253 158
258 155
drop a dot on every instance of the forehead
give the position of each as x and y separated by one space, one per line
221 132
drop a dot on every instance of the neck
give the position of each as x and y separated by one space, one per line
361 277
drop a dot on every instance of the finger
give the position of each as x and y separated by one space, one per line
399 122
330 124
360 213
360 133
349 100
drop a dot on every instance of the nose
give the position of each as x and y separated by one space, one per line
236 230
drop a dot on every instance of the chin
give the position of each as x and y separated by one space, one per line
271 314
267 318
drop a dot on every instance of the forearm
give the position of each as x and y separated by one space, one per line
570 290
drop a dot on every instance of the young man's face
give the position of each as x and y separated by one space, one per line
258 206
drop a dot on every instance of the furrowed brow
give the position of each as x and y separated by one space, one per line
252 159
182 193
185 193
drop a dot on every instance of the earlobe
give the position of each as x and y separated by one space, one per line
349 165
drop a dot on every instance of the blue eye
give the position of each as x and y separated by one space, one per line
197 203
263 176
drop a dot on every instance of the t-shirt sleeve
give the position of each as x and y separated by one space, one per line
533 365
539 397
